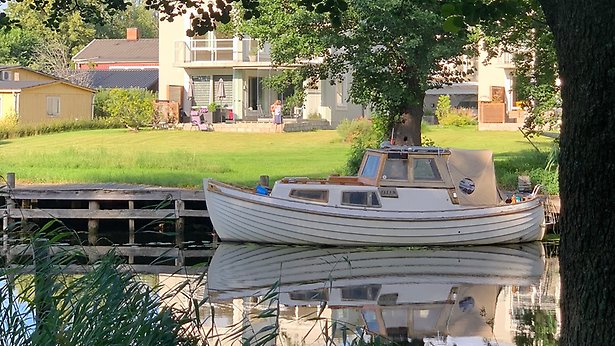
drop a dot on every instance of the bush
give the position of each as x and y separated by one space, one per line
8 121
547 178
132 107
101 98
443 107
458 117
350 129
363 134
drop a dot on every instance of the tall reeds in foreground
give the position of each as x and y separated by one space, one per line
42 303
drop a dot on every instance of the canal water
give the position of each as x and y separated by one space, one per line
293 295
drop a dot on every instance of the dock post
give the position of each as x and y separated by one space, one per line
131 225
43 285
264 180
10 180
5 233
179 223
131 233
93 224
6 218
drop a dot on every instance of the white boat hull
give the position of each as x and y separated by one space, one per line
241 216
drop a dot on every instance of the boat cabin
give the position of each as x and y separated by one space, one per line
406 167
468 175
404 178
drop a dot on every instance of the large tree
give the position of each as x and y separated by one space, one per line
585 47
394 49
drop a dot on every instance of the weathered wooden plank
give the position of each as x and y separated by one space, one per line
135 268
92 214
108 195
97 251
85 213
193 213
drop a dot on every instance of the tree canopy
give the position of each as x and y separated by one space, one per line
394 49
31 41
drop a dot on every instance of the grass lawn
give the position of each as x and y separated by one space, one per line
184 158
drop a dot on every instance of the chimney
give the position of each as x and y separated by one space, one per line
132 34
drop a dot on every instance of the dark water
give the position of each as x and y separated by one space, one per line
290 295
488 295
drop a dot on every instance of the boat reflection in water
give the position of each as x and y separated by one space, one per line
446 296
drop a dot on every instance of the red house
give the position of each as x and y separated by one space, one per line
132 53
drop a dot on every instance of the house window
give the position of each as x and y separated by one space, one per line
426 169
53 106
360 198
311 195
341 93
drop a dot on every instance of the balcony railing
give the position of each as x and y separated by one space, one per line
218 50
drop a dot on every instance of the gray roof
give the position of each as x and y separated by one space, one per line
17 85
146 79
119 50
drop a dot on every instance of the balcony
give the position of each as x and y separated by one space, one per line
504 60
219 53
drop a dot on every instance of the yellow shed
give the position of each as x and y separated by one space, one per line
45 101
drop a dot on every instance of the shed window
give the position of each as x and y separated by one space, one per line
53 105
311 195
360 198
426 169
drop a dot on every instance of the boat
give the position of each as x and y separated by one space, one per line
461 292
403 195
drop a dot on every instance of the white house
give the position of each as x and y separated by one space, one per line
229 71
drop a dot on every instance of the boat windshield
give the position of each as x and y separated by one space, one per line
426 169
370 169
395 169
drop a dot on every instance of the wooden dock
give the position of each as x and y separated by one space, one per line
96 203
151 260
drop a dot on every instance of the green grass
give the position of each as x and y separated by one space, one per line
169 158
184 158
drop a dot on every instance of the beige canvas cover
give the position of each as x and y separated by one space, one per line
473 176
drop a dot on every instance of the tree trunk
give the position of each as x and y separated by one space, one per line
408 131
585 47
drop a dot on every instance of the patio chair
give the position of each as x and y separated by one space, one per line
195 120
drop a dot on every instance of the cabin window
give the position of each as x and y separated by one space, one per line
318 295
426 169
311 195
53 106
395 170
367 292
360 198
370 169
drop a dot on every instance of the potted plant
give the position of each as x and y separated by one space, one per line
215 113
